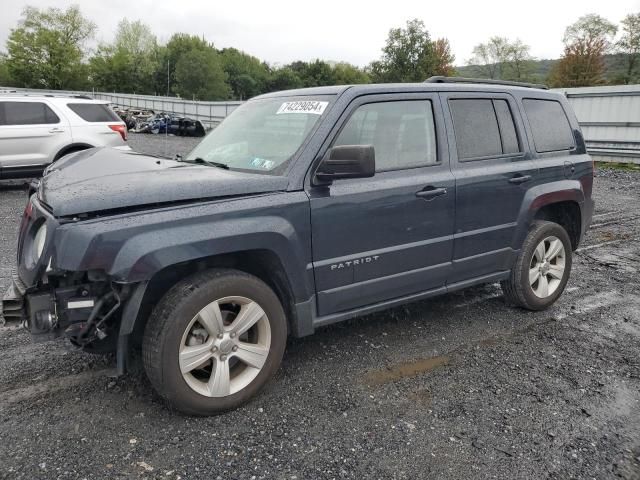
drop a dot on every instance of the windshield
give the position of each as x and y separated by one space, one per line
261 136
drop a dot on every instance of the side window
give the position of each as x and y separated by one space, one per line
483 128
549 125
507 127
402 133
94 112
27 113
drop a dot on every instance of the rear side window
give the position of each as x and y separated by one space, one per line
402 133
26 113
93 112
549 125
483 128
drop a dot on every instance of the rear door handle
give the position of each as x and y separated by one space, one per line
56 130
520 179
430 192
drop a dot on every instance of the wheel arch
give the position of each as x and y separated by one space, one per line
73 147
262 263
560 202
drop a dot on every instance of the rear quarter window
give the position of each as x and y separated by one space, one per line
549 125
94 112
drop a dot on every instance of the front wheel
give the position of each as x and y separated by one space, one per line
542 268
214 340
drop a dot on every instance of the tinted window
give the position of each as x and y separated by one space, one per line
549 125
476 128
94 112
507 127
402 133
26 113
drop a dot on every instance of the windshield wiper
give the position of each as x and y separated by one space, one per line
206 162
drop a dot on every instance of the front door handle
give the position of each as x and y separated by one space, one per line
520 179
430 192
56 130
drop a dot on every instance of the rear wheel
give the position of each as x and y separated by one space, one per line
542 269
214 341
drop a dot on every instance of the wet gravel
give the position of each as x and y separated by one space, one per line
455 387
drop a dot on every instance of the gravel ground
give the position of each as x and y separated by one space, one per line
455 387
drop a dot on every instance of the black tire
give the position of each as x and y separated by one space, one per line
171 317
517 288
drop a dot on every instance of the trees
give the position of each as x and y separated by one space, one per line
347 74
247 75
410 55
130 62
5 78
443 58
46 50
199 76
502 58
629 44
586 41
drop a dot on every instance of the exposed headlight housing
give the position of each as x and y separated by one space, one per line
38 242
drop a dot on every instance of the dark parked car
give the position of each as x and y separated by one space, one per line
303 208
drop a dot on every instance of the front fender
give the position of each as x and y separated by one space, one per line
133 247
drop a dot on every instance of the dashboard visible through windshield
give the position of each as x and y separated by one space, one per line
262 135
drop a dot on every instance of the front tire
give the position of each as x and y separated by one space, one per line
542 268
214 340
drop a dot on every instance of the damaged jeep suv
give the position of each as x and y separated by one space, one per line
303 208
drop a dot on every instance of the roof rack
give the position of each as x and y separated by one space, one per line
442 79
18 93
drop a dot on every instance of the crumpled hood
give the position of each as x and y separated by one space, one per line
101 179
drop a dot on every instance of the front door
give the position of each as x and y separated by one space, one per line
31 133
388 236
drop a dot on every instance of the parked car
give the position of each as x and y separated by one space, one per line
303 208
38 130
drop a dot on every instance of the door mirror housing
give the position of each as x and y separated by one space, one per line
346 161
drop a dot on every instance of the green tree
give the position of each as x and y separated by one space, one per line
130 62
501 58
347 74
408 56
168 56
585 44
284 78
629 44
47 49
247 75
199 75
5 78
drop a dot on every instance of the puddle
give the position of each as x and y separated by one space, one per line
405 370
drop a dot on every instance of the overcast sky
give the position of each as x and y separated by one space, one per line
280 31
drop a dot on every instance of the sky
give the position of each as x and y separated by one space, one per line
281 31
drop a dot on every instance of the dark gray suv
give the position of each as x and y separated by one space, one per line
303 208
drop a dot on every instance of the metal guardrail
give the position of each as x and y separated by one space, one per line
209 113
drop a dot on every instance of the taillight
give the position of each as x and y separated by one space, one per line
121 129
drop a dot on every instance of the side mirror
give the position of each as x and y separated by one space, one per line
346 161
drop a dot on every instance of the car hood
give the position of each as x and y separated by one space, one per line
102 179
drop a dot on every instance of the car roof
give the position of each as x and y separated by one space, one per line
407 87
56 99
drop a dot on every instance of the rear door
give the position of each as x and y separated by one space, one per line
493 171
31 133
388 236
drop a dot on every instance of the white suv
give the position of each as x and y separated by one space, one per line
38 130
